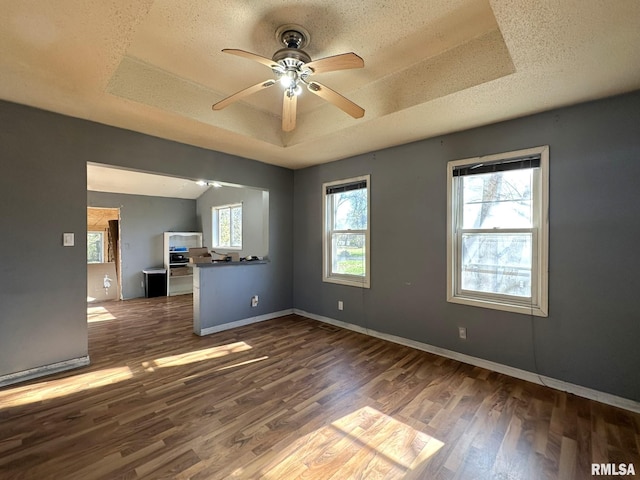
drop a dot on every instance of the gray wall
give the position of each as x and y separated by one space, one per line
589 338
253 217
591 335
43 193
222 295
143 220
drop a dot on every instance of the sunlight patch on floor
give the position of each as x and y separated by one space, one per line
366 443
78 383
98 314
196 356
64 386
240 364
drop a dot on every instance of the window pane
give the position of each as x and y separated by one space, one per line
94 247
497 263
498 200
224 227
348 253
350 210
236 227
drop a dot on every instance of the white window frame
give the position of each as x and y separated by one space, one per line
102 241
538 303
328 231
215 226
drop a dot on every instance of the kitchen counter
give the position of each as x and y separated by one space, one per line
223 294
228 264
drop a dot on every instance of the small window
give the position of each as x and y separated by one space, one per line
346 247
497 246
95 247
227 226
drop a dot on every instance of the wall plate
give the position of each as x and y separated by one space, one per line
68 239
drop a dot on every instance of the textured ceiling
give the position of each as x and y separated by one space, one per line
102 178
431 66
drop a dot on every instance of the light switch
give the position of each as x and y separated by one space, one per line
68 239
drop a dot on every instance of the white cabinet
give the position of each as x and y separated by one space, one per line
176 259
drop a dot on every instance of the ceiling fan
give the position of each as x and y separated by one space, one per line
292 67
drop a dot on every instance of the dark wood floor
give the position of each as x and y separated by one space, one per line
291 398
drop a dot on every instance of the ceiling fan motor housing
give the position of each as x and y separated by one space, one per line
285 54
293 36
293 39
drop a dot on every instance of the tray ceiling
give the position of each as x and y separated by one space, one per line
431 67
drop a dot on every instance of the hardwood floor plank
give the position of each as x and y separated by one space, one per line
291 398
568 457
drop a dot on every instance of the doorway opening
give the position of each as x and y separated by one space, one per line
104 279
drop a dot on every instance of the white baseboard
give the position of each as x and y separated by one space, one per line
561 385
25 375
243 322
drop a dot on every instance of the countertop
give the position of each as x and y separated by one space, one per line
228 264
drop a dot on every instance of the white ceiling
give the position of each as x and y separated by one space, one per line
101 178
431 66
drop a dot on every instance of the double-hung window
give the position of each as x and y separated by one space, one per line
227 226
497 246
346 246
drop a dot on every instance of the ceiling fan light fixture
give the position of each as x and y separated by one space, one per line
285 81
293 91
292 66
289 79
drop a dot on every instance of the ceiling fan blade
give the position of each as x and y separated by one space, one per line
338 100
289 105
243 93
252 56
343 61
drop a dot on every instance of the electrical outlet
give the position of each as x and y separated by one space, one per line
462 333
340 305
254 301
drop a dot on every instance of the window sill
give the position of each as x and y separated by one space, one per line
363 283
507 307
